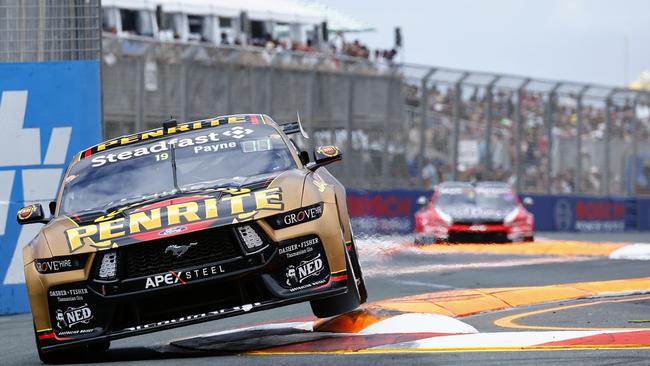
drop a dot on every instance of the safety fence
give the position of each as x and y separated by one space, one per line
543 136
351 102
49 30
393 212
400 126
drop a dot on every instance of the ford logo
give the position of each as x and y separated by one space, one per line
173 230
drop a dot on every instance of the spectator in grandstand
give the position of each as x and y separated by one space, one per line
338 43
224 39
430 175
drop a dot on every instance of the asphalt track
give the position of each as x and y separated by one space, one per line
502 306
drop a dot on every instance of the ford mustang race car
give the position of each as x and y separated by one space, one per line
188 223
485 212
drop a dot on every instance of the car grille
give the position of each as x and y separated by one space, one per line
463 237
479 222
213 245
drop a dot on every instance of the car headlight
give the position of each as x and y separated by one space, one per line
249 237
108 266
446 218
295 217
60 264
510 217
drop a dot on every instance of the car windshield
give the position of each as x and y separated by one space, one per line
205 158
483 197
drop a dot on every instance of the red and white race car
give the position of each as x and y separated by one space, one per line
485 212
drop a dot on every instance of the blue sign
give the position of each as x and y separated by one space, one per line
48 112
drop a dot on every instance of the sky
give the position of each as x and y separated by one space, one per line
573 40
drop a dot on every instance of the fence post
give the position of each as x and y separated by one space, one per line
519 130
184 90
139 94
230 70
489 115
424 105
269 85
549 123
608 131
577 179
458 90
635 149
349 123
313 78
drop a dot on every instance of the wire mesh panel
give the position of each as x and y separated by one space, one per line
49 30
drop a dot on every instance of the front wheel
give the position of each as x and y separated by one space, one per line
339 304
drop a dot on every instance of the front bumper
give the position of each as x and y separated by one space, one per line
91 310
476 233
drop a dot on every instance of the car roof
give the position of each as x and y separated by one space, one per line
493 185
163 132
455 184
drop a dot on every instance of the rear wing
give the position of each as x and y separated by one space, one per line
291 128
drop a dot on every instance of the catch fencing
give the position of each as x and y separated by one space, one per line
543 136
353 103
49 30
400 126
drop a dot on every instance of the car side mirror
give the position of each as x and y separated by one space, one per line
52 207
31 214
324 155
304 157
528 201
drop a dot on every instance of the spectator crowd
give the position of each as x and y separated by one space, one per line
545 165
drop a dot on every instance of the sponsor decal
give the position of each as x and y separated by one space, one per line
244 308
26 212
59 264
220 209
201 143
320 185
172 230
299 248
160 132
307 269
329 151
238 132
69 295
299 216
179 250
183 277
67 319
477 228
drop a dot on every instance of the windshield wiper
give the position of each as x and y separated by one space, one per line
213 184
113 205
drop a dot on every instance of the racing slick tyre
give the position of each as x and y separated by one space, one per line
339 304
529 238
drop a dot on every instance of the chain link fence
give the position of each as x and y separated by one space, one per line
352 103
542 136
49 30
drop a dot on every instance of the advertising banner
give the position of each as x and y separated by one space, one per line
48 112
392 212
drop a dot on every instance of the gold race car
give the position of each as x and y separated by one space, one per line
188 223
